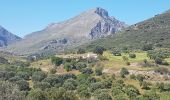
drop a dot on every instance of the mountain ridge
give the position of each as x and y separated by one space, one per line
7 38
89 25
155 31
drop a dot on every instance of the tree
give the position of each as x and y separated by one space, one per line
158 60
41 85
124 72
70 84
9 91
38 76
145 85
104 96
116 53
57 61
52 70
132 55
68 67
147 47
131 91
87 71
140 77
24 75
99 50
37 94
98 71
23 85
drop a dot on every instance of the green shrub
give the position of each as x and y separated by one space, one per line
132 55
124 72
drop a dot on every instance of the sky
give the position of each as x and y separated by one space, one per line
22 17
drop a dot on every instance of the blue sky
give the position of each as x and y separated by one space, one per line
22 17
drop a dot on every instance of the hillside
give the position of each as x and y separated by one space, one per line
88 26
154 31
7 37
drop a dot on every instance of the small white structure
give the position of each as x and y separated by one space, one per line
92 55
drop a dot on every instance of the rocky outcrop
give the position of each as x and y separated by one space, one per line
87 26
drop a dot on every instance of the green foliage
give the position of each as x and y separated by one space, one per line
147 47
24 75
124 72
38 76
104 96
53 71
158 60
81 65
132 76
23 85
87 71
99 50
98 71
41 85
70 84
151 95
81 51
140 77
68 67
37 94
9 91
145 85
57 61
131 91
116 53
132 55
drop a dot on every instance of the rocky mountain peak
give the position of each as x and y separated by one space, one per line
102 12
7 37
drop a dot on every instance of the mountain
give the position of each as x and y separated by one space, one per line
7 37
88 26
155 31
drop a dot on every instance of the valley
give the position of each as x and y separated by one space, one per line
91 56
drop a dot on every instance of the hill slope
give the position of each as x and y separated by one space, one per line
7 38
88 26
154 31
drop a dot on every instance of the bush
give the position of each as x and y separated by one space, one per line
68 67
158 60
125 59
24 75
131 91
37 95
124 72
87 71
147 47
23 85
98 71
104 96
70 84
133 76
57 61
116 53
132 55
53 71
41 85
99 50
140 77
38 76
9 91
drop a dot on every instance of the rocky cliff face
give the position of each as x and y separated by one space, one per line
7 38
87 26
